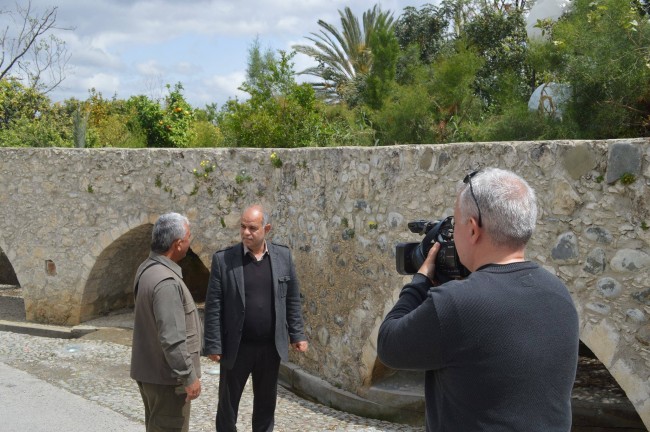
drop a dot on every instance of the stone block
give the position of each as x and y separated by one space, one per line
578 161
630 260
566 248
623 158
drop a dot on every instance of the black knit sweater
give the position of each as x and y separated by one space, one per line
259 321
500 349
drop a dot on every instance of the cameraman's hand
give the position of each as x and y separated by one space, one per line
428 267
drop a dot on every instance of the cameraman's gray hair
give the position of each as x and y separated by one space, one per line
508 205
167 229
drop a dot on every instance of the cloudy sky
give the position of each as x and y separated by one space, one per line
129 47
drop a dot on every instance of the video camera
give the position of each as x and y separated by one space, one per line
410 256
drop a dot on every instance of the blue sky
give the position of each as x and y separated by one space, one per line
129 47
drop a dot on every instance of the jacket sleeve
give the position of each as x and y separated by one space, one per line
294 306
169 313
409 338
213 311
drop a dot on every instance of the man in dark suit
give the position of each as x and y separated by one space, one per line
252 313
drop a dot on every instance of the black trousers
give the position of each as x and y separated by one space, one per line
262 362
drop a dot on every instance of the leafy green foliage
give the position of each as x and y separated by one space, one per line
168 125
517 123
500 39
436 107
19 102
279 112
111 123
205 134
424 28
385 51
28 119
406 117
603 47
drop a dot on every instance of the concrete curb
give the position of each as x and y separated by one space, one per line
46 330
407 410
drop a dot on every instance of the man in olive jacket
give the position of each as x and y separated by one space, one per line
167 330
252 313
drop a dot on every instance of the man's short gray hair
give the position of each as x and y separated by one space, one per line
167 229
508 205
266 217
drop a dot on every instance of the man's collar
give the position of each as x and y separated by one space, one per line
162 259
247 251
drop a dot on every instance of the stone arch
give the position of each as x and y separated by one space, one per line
110 282
602 340
7 273
109 285
598 400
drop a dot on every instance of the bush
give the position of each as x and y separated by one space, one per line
205 134
517 123
166 126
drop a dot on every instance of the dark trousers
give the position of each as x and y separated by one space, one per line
263 363
165 409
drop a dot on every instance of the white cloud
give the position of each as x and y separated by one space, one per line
187 68
101 82
150 68
128 47
225 85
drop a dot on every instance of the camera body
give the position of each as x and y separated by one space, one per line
410 256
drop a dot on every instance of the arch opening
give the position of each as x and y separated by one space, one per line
598 401
195 275
12 304
110 283
7 274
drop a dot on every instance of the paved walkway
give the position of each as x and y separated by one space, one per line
50 384
30 404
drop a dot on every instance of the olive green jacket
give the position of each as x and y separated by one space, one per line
167 331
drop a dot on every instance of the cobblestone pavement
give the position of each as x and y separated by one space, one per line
98 370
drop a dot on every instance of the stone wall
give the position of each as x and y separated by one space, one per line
75 224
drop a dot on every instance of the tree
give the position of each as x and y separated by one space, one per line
19 102
462 12
110 122
277 114
424 28
342 56
30 50
28 119
385 51
500 38
436 106
280 112
602 47
169 125
266 77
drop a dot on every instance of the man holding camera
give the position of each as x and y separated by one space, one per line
499 347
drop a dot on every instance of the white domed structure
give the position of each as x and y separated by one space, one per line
550 98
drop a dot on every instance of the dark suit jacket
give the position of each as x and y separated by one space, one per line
225 308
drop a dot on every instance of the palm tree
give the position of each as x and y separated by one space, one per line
343 56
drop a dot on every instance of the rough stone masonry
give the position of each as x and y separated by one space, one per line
75 224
